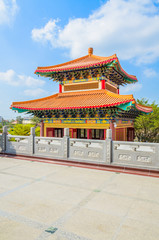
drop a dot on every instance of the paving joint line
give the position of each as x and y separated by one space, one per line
3 194
70 235
15 175
22 219
68 185
3 169
60 222
82 203
133 198
118 229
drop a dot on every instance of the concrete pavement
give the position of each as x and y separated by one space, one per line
76 203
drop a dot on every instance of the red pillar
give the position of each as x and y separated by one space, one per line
42 129
105 134
89 133
72 132
113 129
103 84
118 90
60 88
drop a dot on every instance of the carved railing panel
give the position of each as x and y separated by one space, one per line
48 147
87 150
135 154
18 144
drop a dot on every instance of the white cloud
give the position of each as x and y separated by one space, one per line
34 92
129 28
149 72
8 9
10 77
130 88
47 33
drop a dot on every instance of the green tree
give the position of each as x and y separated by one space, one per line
7 123
35 120
19 120
147 125
37 131
23 130
1 128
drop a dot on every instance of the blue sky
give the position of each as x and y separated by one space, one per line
40 33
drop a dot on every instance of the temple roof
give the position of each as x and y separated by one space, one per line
86 62
77 100
142 108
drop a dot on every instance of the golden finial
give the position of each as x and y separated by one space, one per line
90 51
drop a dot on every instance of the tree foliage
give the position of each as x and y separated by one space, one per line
5 123
23 130
35 120
19 120
147 125
1 128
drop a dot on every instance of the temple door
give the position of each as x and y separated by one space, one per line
58 132
130 134
120 134
49 132
74 133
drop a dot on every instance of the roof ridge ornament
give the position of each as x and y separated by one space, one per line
90 51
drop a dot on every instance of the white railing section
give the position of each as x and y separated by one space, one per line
135 153
87 150
131 154
18 144
50 147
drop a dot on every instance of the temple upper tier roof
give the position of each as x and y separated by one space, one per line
80 100
94 65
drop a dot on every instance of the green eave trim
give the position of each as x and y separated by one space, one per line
125 106
19 110
130 105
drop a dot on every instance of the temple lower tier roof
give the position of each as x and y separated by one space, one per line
80 100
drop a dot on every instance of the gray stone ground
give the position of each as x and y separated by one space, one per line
82 204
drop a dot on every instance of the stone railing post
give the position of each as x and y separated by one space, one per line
108 146
32 136
66 143
4 140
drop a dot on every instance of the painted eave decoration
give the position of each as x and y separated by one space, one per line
90 63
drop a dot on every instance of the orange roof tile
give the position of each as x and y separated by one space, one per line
143 108
83 99
77 63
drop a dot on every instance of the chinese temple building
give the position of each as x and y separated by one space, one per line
88 102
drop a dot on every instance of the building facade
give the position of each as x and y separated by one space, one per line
88 102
